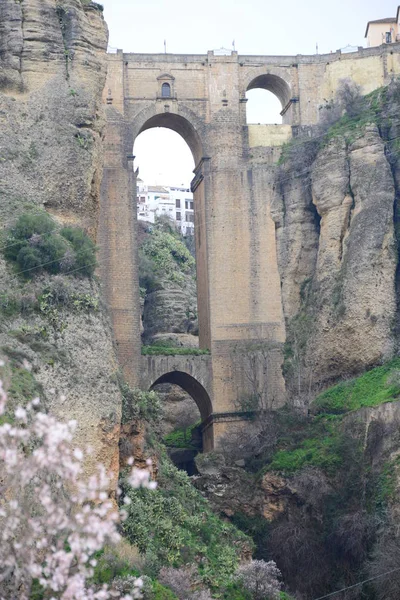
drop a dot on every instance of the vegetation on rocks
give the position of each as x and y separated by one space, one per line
163 256
321 442
182 438
345 117
138 404
333 478
37 243
173 351
175 526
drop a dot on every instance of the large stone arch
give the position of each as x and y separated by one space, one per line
239 301
185 122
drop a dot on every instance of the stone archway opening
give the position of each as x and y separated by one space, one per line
186 405
180 125
268 100
185 322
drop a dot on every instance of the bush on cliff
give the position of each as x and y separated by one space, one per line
163 255
175 526
37 243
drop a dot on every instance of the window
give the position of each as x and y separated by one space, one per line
189 217
178 216
186 203
166 90
191 206
178 203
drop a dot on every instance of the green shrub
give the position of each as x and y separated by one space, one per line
370 389
234 591
168 351
14 303
321 452
54 248
23 387
29 224
110 565
160 592
181 438
138 404
30 259
36 243
164 255
148 278
174 525
85 250
321 442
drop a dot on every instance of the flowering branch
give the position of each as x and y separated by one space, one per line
52 520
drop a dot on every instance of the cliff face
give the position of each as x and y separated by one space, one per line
320 496
337 255
167 277
52 73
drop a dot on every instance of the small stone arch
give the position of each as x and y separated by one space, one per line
274 84
190 385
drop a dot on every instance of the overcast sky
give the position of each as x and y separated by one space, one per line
256 26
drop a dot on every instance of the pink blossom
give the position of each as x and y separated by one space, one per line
47 532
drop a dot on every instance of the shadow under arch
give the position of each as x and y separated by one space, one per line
190 385
272 83
182 125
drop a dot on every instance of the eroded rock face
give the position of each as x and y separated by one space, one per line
357 259
231 490
179 409
172 310
297 234
52 73
52 66
338 258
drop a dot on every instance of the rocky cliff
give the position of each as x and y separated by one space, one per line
334 205
168 286
320 497
52 73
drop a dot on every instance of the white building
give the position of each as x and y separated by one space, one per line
184 209
176 202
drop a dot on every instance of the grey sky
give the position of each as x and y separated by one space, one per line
257 26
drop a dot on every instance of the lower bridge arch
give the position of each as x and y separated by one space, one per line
199 394
190 385
193 374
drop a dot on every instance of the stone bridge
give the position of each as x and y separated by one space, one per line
203 98
192 374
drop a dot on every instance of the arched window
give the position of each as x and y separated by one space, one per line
166 90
